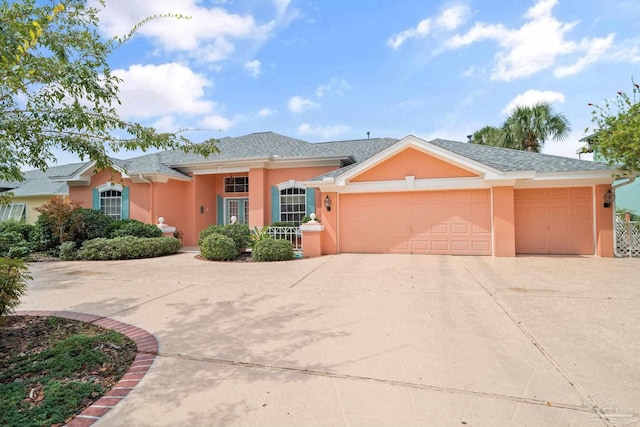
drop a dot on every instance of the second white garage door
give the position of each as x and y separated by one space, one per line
433 222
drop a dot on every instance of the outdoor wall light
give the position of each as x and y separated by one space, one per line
609 198
327 203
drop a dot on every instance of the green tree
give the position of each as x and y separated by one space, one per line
527 128
57 89
489 135
616 136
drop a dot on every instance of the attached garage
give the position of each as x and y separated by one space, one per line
554 221
456 222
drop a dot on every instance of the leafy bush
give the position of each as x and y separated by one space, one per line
13 283
282 224
217 247
68 251
307 218
132 227
86 224
43 239
128 247
13 245
18 226
257 235
273 250
239 233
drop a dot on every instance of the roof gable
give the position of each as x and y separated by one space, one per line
410 161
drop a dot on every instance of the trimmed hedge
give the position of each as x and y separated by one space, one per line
132 227
128 247
217 247
272 250
240 233
68 251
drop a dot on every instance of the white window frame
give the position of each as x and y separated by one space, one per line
105 209
13 211
234 186
290 216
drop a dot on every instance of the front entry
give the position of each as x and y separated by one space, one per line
238 207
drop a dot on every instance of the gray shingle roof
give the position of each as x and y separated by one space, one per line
506 160
252 146
38 183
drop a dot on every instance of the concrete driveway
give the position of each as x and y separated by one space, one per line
370 340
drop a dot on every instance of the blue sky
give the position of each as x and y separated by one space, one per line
335 69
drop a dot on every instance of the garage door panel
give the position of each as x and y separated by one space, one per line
442 222
554 221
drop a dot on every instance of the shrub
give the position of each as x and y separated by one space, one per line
132 227
128 247
282 224
13 283
273 250
239 233
13 245
217 247
68 251
86 224
258 235
58 213
43 239
18 226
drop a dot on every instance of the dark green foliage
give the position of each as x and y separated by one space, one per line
73 357
87 224
18 226
13 283
282 224
272 250
217 247
128 247
132 227
43 239
13 245
239 233
68 251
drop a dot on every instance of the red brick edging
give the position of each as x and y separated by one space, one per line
147 351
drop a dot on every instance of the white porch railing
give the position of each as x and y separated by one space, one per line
291 234
627 238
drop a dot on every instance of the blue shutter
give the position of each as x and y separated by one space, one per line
311 201
125 203
96 200
219 209
275 204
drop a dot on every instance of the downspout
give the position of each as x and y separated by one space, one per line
613 190
151 201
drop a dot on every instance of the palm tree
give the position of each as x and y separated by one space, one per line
488 135
527 128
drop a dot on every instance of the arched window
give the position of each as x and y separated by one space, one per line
110 199
293 205
291 201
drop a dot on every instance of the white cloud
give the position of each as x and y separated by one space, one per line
326 132
595 48
537 45
335 85
266 112
210 34
253 67
216 122
567 147
166 124
150 91
298 104
281 5
533 96
448 20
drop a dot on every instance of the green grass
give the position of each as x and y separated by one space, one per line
48 387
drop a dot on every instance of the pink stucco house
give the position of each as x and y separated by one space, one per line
378 195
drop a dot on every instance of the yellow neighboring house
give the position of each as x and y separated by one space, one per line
36 189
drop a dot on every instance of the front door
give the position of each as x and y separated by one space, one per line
238 207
